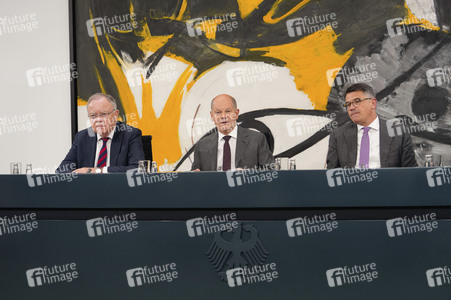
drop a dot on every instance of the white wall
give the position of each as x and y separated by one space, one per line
34 121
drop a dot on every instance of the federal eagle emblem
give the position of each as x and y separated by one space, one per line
238 248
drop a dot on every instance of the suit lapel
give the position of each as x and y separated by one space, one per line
116 146
385 142
241 144
92 146
351 141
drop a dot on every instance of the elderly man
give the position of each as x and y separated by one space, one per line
108 146
231 147
365 142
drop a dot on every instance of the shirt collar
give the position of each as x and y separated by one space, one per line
233 133
110 135
374 125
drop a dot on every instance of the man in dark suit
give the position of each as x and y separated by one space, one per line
231 146
107 146
367 141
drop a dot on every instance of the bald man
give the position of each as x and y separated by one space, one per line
230 147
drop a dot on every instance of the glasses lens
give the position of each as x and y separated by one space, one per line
356 103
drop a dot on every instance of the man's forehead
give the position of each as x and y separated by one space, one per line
222 102
354 95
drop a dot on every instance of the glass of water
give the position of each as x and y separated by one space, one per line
144 166
16 167
278 163
292 164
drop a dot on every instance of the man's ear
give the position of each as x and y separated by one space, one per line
374 102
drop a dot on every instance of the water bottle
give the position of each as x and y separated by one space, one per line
278 163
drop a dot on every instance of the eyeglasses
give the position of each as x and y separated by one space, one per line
102 115
356 102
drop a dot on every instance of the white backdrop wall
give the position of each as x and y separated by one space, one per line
34 88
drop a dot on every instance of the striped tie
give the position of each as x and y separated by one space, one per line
103 154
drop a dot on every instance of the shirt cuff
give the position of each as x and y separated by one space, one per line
105 170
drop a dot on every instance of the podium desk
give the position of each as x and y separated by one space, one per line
305 234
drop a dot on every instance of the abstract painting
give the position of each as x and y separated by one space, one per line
286 62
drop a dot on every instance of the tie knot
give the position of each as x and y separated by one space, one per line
105 140
227 138
366 129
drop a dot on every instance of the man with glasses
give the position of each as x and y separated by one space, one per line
108 146
365 142
231 147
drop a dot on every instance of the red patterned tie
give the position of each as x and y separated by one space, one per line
103 154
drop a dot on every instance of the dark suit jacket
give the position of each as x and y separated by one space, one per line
252 150
396 151
126 150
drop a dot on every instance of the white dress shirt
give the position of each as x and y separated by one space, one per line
232 143
374 136
108 149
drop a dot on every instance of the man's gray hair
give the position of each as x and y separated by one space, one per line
361 87
109 98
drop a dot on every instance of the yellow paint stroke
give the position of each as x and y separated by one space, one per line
125 94
412 19
210 27
113 51
182 10
164 130
246 7
96 38
165 137
100 80
151 43
308 61
269 17
132 8
81 102
227 50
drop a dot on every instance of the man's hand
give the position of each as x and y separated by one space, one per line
85 170
197 170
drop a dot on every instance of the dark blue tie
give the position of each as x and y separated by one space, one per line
226 154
